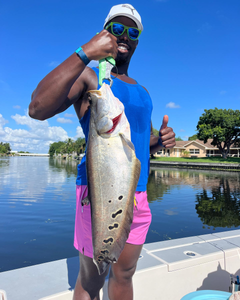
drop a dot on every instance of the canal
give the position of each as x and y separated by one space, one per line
37 207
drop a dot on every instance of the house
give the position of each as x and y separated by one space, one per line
197 148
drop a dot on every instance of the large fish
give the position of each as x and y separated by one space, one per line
113 172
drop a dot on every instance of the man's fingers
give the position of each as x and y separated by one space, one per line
164 132
170 143
164 122
168 139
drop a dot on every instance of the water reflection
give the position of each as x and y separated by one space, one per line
67 165
156 186
28 178
205 179
37 207
217 194
220 206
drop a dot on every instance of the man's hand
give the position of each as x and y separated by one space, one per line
101 46
166 134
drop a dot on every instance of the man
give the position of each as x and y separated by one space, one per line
67 85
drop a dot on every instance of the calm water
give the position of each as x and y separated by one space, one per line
37 207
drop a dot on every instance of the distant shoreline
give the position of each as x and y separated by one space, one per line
230 166
196 165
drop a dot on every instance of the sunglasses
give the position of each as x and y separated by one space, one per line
118 29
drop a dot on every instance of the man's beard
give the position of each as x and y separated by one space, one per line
122 60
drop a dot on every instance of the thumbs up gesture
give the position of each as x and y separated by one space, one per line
166 134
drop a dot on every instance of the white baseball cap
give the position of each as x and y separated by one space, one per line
126 10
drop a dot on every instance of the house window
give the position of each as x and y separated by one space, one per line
159 152
194 151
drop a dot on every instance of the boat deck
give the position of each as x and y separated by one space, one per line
166 270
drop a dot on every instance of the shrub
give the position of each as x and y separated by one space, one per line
185 153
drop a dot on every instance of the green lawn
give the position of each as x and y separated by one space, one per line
229 160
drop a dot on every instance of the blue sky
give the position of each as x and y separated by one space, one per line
187 58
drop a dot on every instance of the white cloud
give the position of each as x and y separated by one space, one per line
204 28
2 120
69 115
172 105
54 64
93 63
64 121
79 132
223 92
181 130
16 106
36 138
221 16
2 123
4 86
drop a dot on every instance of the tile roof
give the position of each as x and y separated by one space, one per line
182 144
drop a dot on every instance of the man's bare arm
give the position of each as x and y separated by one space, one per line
60 88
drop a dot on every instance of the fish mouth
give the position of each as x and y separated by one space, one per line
115 122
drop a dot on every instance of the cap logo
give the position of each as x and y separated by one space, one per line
127 6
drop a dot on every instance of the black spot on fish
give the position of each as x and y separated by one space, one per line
120 197
115 225
119 212
100 257
109 201
104 252
109 240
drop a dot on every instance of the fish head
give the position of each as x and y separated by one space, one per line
107 112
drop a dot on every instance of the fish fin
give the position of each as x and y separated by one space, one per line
128 147
101 266
126 141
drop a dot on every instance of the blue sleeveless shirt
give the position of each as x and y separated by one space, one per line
138 110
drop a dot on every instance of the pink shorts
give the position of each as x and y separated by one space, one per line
142 218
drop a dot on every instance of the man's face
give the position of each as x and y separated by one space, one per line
126 47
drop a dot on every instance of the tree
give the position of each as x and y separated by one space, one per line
80 145
69 146
178 138
55 148
155 131
221 125
5 147
193 137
